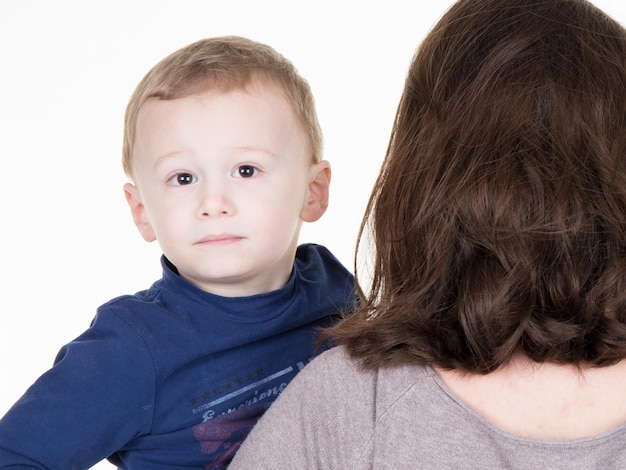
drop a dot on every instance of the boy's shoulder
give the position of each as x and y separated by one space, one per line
306 251
318 268
314 257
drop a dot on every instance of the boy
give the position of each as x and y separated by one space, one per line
223 147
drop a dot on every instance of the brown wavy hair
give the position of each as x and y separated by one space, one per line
498 220
223 63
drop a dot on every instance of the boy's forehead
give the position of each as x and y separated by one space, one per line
207 94
208 89
258 114
256 88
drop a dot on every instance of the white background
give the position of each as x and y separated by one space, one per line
68 68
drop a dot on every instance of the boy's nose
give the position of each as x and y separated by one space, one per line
215 202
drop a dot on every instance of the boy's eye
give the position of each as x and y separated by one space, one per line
246 171
183 179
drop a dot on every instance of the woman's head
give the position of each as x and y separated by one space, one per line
499 216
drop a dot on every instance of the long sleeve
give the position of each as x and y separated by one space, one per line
98 394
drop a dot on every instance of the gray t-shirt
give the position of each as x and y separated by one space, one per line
334 415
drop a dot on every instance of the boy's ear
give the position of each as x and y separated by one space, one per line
138 211
317 199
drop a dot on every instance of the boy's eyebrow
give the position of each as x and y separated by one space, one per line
167 156
259 149
243 148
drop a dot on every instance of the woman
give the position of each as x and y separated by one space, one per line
493 334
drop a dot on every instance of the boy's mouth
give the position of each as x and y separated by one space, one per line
221 239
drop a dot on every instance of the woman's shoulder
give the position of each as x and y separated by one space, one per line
336 358
327 416
337 373
337 366
332 375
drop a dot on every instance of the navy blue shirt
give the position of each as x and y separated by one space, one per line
174 377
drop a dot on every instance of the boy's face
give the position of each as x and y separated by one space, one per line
223 181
